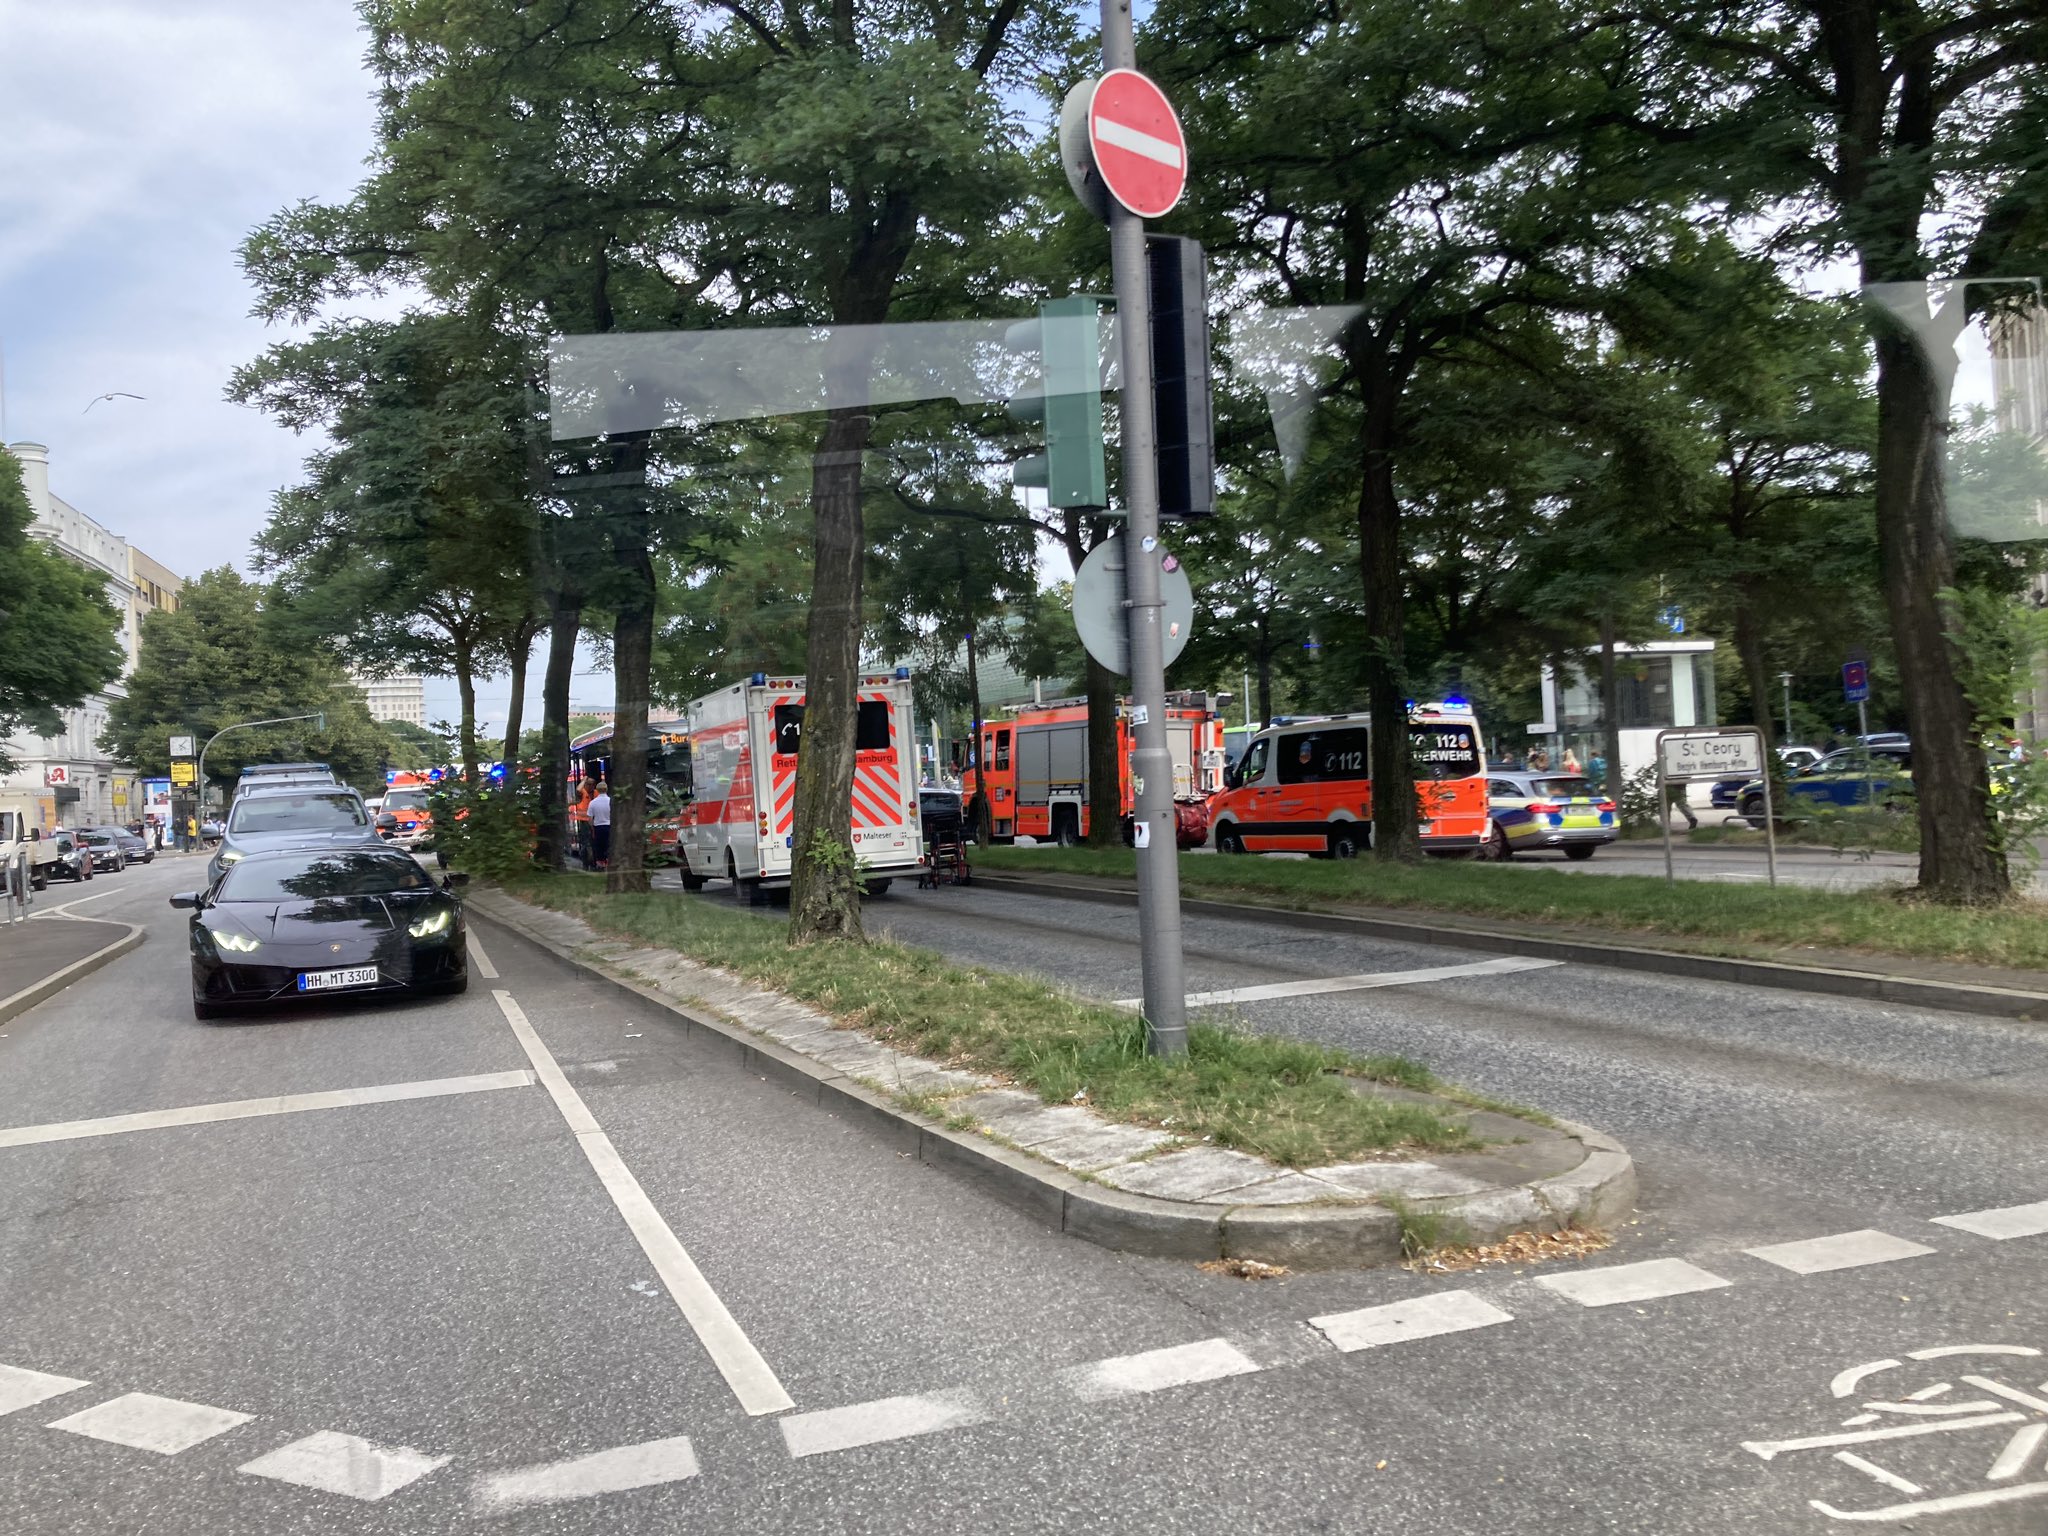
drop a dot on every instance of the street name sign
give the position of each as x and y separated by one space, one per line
1137 143
1721 754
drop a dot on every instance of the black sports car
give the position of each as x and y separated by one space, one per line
318 922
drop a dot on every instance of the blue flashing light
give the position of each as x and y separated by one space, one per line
759 679
390 775
1454 702
903 674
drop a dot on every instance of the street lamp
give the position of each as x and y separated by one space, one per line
1786 679
319 716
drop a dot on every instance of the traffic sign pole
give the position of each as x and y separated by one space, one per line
1158 849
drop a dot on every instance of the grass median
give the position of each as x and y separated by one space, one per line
1713 917
1287 1100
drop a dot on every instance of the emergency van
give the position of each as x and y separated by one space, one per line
1034 769
737 820
1304 785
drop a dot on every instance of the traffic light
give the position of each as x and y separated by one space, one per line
1183 432
1067 401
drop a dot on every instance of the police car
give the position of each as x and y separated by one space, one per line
1531 811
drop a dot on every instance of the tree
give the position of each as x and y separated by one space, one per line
223 658
1909 134
414 748
59 630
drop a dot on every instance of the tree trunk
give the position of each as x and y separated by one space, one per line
1610 713
632 657
824 888
1749 646
1264 661
519 651
1105 766
1961 860
465 688
1394 831
565 624
983 828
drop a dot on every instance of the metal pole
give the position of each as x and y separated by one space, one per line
1863 717
1770 828
1786 679
199 789
1159 933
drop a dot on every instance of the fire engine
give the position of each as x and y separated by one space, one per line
1034 769
739 789
1304 785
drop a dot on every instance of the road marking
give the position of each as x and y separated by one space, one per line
1845 1250
1947 1506
1632 1282
21 1389
2019 1450
1769 1448
2006 1222
1423 1317
749 1376
1317 985
78 901
1155 1370
583 1477
1872 1469
149 1423
481 960
2010 1394
247 1109
888 1418
336 1463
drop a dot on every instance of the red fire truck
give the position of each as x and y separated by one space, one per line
1034 769
743 743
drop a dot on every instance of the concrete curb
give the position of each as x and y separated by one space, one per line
1600 1189
1953 997
20 1002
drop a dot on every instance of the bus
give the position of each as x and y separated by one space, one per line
668 785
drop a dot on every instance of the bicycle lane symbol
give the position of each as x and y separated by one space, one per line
1931 1436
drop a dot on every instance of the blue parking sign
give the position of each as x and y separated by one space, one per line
1855 681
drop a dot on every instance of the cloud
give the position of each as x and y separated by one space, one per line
144 142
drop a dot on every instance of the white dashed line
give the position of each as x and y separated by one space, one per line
1424 1317
744 1370
2006 1222
21 1389
479 959
247 1109
1845 1250
888 1418
1318 985
1158 1369
148 1423
583 1477
336 1463
1632 1282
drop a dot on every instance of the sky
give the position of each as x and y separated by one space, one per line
144 140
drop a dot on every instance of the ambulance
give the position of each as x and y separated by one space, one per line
737 821
1034 769
1304 785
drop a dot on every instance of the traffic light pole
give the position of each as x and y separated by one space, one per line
1159 934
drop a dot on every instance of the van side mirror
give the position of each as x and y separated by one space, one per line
457 878
186 899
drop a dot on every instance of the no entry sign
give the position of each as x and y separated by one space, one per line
1139 150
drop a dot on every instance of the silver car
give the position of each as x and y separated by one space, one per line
300 816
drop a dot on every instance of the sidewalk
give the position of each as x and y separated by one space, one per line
36 955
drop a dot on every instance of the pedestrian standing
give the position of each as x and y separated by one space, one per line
1571 762
1539 760
601 826
191 832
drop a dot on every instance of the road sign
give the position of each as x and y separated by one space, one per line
1855 681
1718 755
1100 615
1139 149
184 773
182 746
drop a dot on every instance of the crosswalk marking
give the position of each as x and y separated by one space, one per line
1845 1250
581 1477
888 1418
1423 1317
1632 1282
21 1388
150 1423
2002 1223
335 1463
1157 1369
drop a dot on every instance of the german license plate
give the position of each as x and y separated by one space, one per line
327 981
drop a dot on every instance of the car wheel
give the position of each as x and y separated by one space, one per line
1346 843
38 880
1579 852
1066 831
875 887
1497 847
692 882
1751 810
1228 841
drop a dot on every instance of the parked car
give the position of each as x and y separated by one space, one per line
1725 794
134 847
107 857
74 861
345 921
1532 811
1858 776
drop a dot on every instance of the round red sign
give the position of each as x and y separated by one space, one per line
1138 146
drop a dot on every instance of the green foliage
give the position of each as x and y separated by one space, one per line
58 628
223 658
488 831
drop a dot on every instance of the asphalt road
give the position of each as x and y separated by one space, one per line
439 1300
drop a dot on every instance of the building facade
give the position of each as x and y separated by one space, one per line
78 783
403 697
2019 356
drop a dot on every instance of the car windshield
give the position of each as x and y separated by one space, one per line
298 813
307 876
405 800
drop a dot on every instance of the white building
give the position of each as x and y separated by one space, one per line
403 697
78 783
2019 352
1659 684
